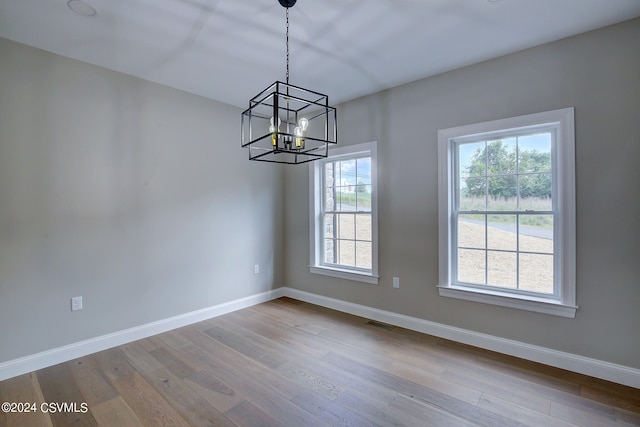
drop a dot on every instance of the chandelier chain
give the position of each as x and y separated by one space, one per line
287 45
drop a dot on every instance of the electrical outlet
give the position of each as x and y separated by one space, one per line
396 282
256 269
76 303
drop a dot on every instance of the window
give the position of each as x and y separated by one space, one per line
507 212
344 214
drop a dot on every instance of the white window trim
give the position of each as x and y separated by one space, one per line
315 203
564 187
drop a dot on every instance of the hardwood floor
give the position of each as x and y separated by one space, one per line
288 363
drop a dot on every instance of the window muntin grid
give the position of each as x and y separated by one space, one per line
346 213
503 214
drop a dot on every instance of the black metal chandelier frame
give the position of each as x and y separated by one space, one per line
286 123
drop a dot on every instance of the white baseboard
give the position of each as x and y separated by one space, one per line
54 356
571 362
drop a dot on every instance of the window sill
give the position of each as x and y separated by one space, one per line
344 274
539 305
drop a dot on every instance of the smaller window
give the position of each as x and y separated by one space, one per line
507 212
343 214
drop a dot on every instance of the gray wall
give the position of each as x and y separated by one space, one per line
138 197
135 196
598 73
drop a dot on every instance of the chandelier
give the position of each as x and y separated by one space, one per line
286 123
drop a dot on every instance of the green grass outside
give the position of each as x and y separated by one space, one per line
363 199
477 203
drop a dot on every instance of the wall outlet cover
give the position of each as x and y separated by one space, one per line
76 303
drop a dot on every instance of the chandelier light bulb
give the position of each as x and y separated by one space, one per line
303 123
297 131
274 131
273 125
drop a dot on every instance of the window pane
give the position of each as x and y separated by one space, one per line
342 213
536 233
347 173
329 200
329 255
346 199
501 232
328 174
471 266
502 269
346 252
364 171
329 227
473 194
346 226
363 255
535 192
472 159
534 153
502 193
501 157
363 227
363 195
471 231
536 273
499 183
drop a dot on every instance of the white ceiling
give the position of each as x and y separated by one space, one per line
229 50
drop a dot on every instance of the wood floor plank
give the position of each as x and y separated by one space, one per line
23 389
512 368
189 404
292 363
91 381
432 397
246 414
329 411
520 413
176 338
286 337
151 408
214 390
380 344
585 405
431 415
235 369
385 353
59 387
115 412
276 314
264 388
517 395
581 417
383 414
612 394
281 340
628 417
114 363
247 347
179 368
148 405
420 371
310 380
304 340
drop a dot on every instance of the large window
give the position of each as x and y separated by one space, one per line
507 212
344 214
